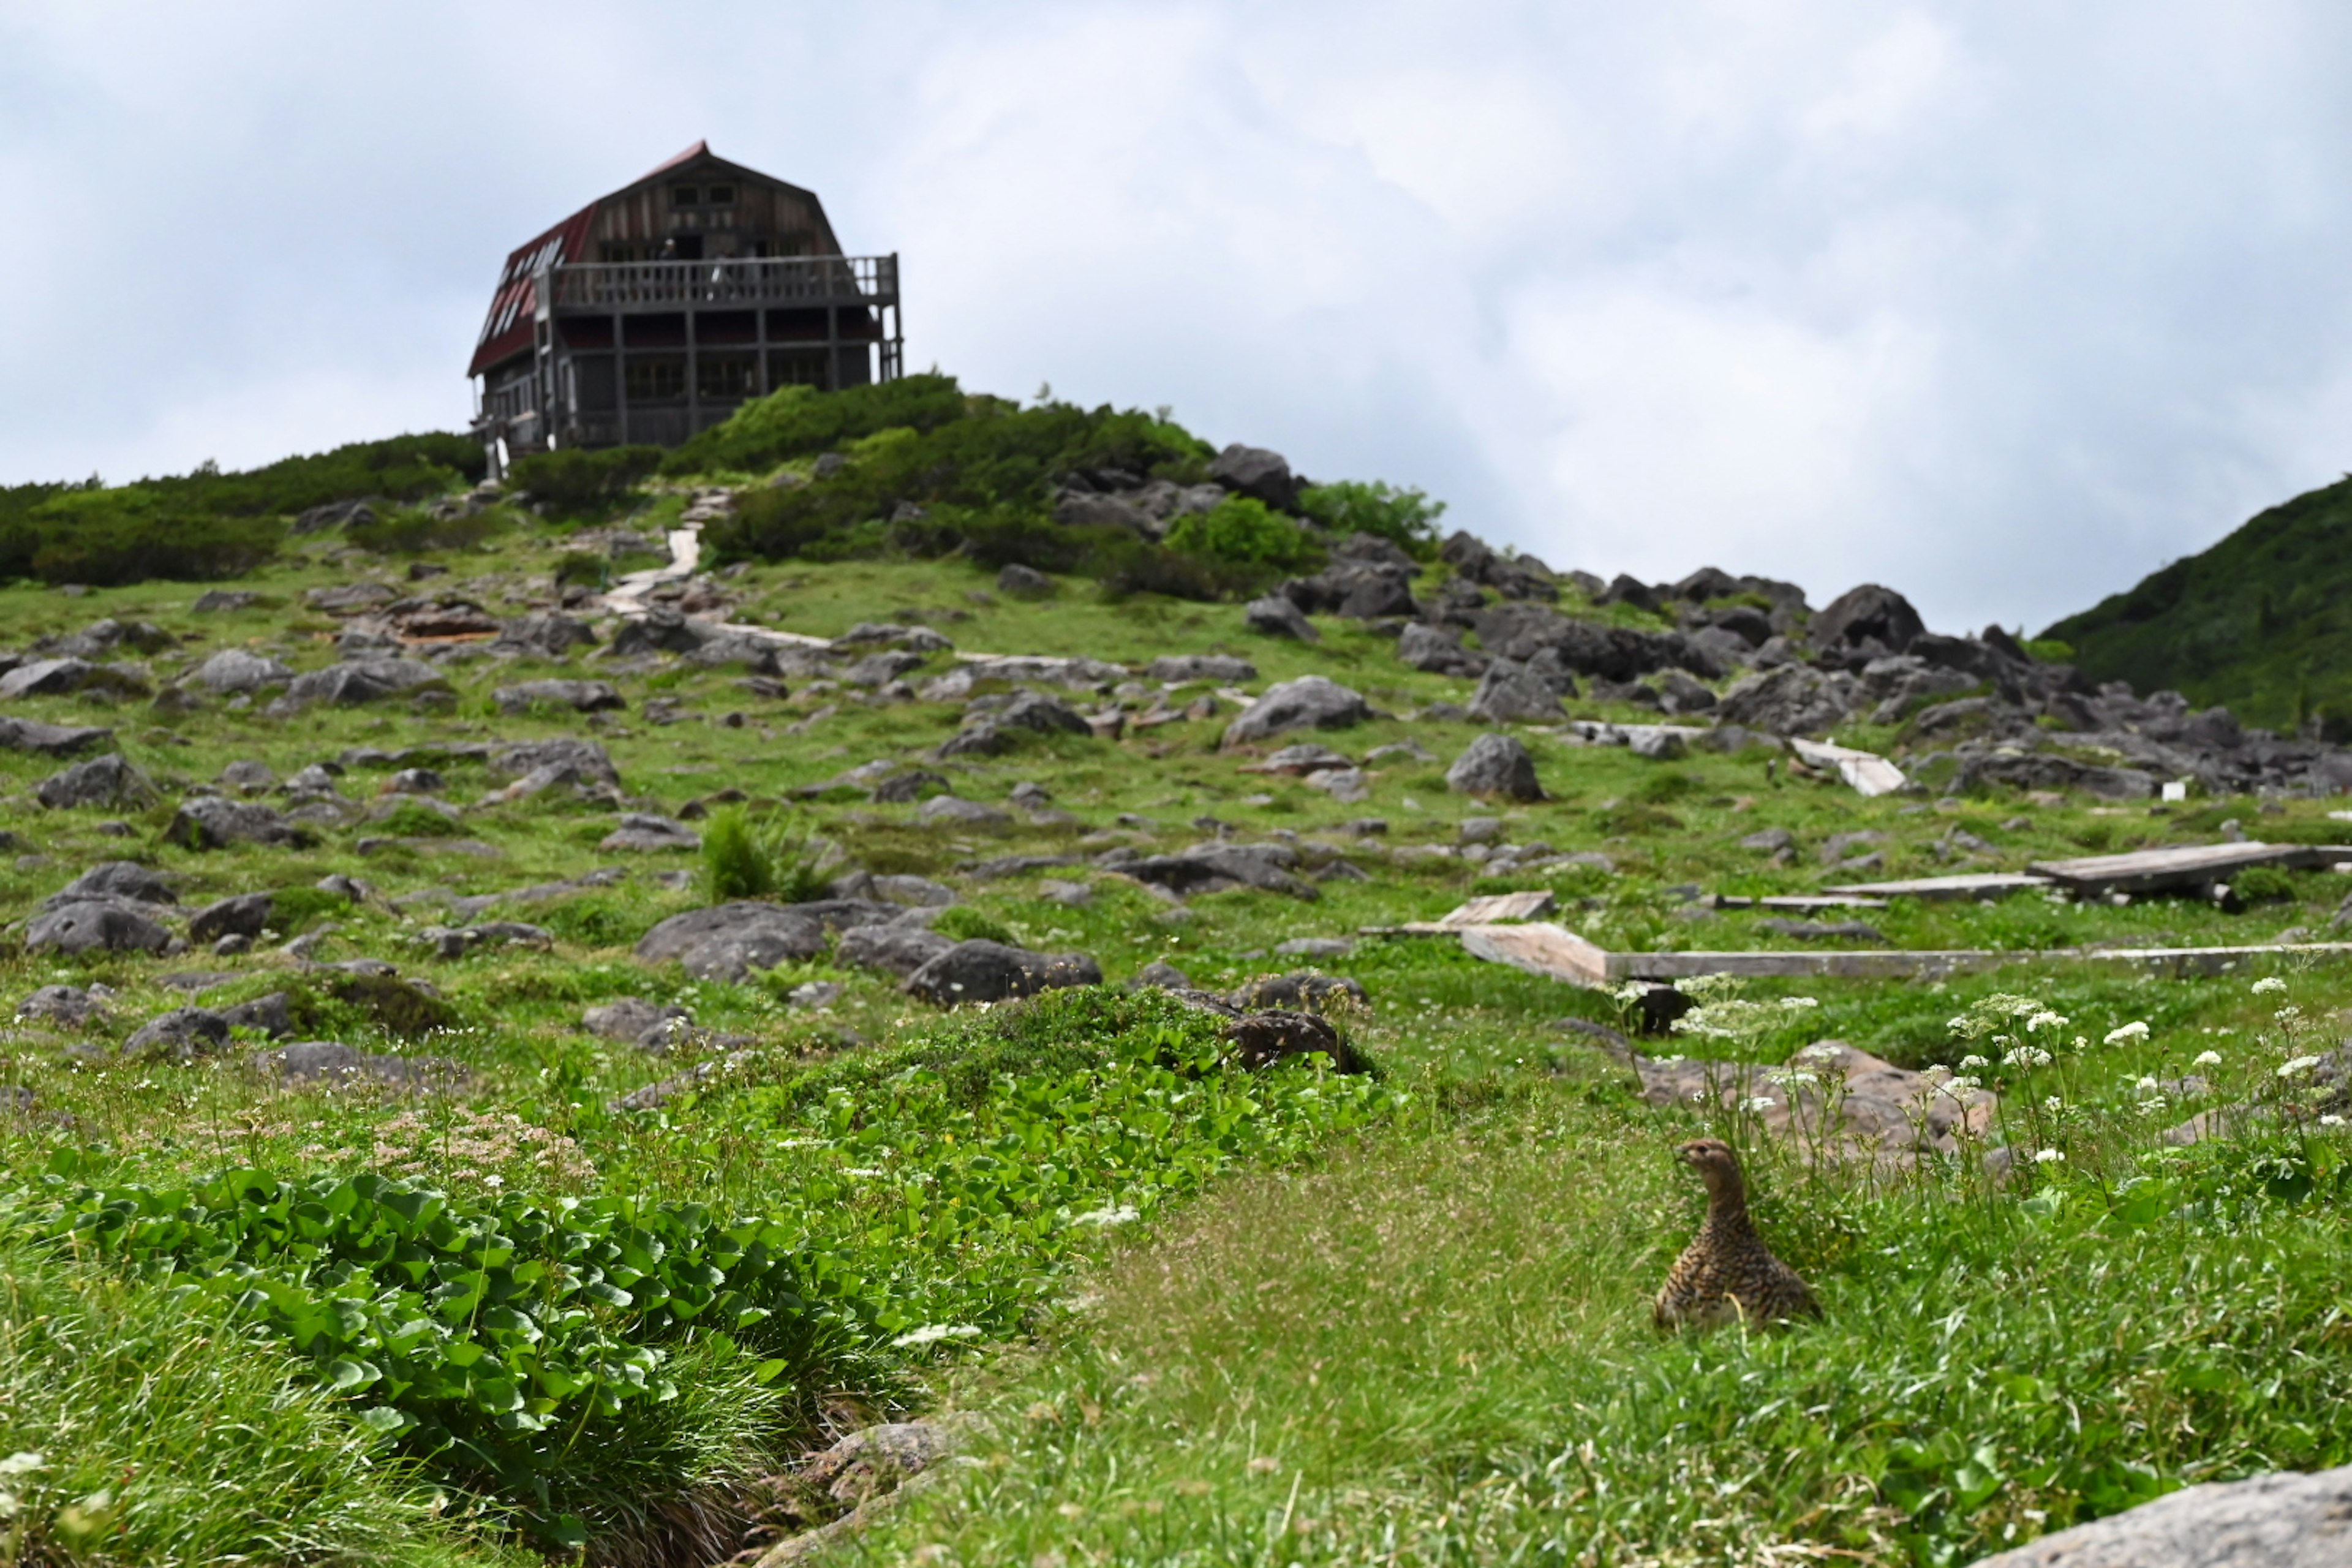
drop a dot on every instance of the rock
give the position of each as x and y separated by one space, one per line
330 1063
215 822
1045 715
894 949
1301 990
1346 785
951 811
93 927
234 669
108 781
183 1034
813 995
1770 841
1301 759
248 776
240 914
51 739
1275 616
114 881
631 1018
643 831
573 761
1658 744
1822 930
457 942
1161 974
580 696
1309 702
1220 867
545 632
1257 473
1510 692
270 1015
1018 582
2042 770
982 970
1217 667
2286 1520
1680 693
359 680
1513 577
1263 1039
1315 947
68 1004
332 514
727 941
1792 700
1495 766
1867 619
213 601
1438 652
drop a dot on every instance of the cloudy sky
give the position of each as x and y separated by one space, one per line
2003 304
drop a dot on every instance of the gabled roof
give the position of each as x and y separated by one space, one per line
506 332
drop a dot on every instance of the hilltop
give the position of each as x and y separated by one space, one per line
541 1004
2255 622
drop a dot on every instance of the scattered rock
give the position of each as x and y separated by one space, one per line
183 1034
580 696
2286 1520
1018 582
1510 692
113 880
51 739
1657 743
355 681
983 970
1262 1039
947 810
215 822
62 677
643 831
92 927
1439 651
1309 702
333 1064
1257 473
1277 617
1220 867
1495 766
239 914
892 948
1161 974
106 781
1300 991
729 941
1217 667
234 669
69 1005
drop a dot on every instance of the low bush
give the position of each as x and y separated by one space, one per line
576 481
108 537
2265 885
799 421
412 532
582 568
1405 517
742 858
1241 532
962 922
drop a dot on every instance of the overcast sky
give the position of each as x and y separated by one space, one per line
2001 304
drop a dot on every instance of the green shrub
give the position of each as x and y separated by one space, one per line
413 819
2051 650
1404 518
745 860
108 538
799 421
2264 885
1246 533
962 922
575 481
580 567
414 532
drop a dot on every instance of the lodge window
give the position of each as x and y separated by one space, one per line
655 378
722 377
722 195
686 196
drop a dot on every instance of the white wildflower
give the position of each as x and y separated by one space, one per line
1784 1077
1821 1051
2049 1156
2331 1121
1116 1215
2207 1060
2040 1020
2288 1014
2298 1066
932 1333
2130 1033
1964 1084
2026 1057
1799 1004
2268 984
1974 1064
1759 1105
2053 1104
2147 1085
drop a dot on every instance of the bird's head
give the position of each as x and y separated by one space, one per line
1717 1166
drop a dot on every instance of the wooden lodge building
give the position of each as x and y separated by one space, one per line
653 313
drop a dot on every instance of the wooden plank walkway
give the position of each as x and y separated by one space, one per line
1968 885
1801 903
2160 870
1557 954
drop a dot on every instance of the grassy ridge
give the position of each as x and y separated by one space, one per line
2258 621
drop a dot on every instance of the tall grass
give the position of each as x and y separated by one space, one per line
743 859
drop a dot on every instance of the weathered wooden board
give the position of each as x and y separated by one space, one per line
1874 964
2159 870
1867 772
1541 948
1490 909
1971 884
2180 961
1798 903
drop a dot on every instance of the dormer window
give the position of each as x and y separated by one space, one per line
686 195
722 195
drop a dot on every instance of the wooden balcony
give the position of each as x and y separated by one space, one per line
623 287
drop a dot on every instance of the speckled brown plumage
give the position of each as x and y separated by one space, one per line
1726 1274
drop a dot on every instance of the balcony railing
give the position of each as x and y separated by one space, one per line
858 280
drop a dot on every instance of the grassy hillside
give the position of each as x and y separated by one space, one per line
530 1291
2261 622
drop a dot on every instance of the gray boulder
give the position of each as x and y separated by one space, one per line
1201 667
247 775
1510 692
1045 715
1222 868
180 1034
727 942
894 949
1277 617
1793 700
235 669
68 1004
951 811
633 1019
1438 651
2283 1521
63 676
334 1065
214 822
239 914
573 760
1867 619
116 881
982 970
646 832
1310 702
1019 582
1300 991
94 927
108 780
545 632
580 696
1257 473
51 739
1495 766
359 680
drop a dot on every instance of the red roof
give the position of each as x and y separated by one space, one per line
507 330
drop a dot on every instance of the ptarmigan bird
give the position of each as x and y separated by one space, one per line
1726 1274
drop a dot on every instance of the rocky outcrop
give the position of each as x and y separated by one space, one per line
2282 1521
1309 702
